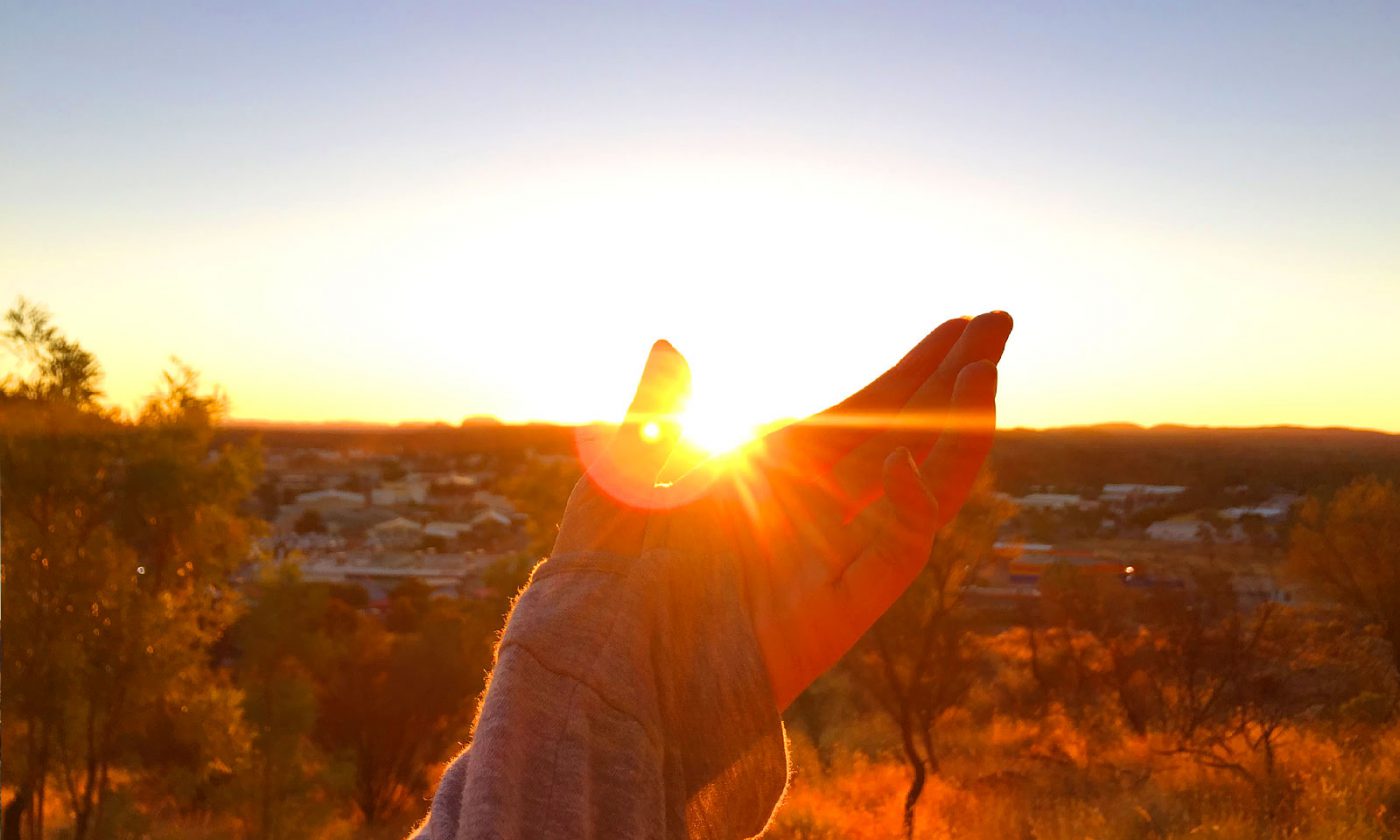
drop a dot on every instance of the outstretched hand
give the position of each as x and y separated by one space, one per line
831 518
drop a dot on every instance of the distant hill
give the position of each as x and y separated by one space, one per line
1300 459
1072 458
412 437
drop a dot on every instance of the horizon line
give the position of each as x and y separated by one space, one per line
490 421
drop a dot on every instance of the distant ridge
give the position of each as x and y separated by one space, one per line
478 420
1126 427
1072 458
475 421
1296 458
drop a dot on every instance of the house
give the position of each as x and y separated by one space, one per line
1252 590
1274 511
1180 529
356 521
448 530
496 502
409 491
324 500
1129 497
491 517
1015 569
1052 501
398 533
452 482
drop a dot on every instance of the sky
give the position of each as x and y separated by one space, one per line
417 211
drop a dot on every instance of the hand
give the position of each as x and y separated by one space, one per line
831 518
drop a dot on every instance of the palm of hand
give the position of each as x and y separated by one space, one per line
830 519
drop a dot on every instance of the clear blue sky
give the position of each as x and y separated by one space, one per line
420 211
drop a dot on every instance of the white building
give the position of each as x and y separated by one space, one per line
397 533
1255 589
447 530
490 515
454 481
1274 510
1133 496
410 491
1052 501
1178 529
1158 491
496 502
324 500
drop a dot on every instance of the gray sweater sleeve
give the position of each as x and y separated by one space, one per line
628 700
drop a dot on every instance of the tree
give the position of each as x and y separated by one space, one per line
1191 672
393 704
1087 646
59 369
120 538
1231 684
539 488
917 661
1349 550
281 645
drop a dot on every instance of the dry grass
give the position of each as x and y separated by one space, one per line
1019 780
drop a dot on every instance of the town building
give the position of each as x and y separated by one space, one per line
326 500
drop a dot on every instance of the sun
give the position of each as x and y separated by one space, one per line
715 431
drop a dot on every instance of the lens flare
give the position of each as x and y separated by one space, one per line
715 432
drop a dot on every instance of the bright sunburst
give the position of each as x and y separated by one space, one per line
714 430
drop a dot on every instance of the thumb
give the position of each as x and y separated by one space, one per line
650 430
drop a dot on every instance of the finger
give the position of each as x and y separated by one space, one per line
651 427
830 434
903 525
915 506
953 464
895 386
921 422
922 419
648 433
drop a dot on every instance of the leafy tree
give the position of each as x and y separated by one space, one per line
282 644
1231 684
59 369
1087 646
1191 671
539 488
394 704
1349 550
918 660
120 539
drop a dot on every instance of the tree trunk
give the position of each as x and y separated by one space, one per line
916 785
1392 635
14 813
930 754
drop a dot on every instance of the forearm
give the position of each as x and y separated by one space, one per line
628 700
